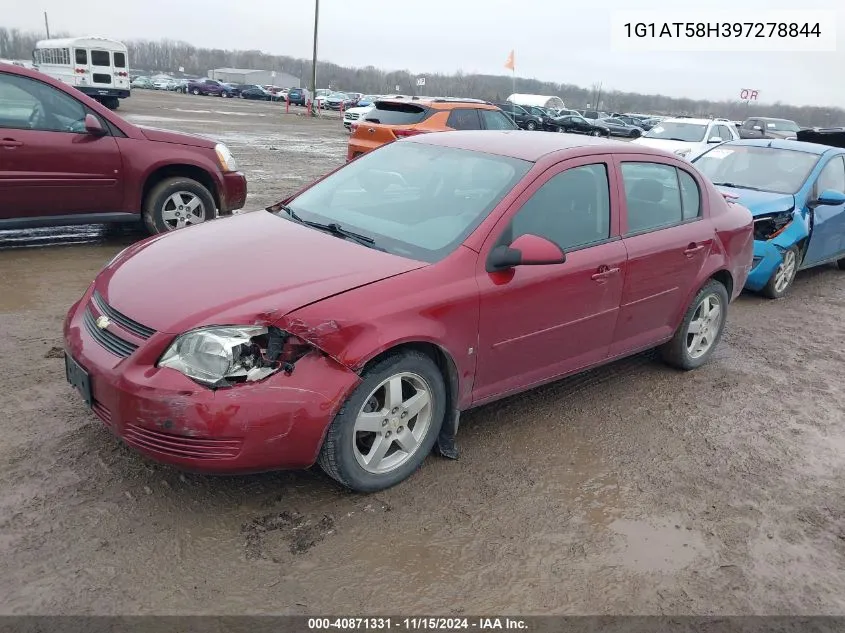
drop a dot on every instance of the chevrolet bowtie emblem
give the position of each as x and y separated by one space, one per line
103 322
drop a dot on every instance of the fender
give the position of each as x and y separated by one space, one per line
137 170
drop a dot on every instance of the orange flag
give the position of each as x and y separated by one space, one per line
510 64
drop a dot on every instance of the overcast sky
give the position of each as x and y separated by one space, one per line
566 41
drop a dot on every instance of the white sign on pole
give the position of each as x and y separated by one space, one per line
747 94
421 81
181 69
273 74
397 87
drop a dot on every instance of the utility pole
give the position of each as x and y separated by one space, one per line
47 25
314 58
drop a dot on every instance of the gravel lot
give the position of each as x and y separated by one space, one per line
634 489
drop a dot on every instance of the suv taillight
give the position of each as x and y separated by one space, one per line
408 132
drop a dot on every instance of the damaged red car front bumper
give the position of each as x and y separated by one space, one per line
276 423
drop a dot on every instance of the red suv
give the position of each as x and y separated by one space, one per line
66 159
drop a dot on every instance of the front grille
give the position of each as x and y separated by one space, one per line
181 445
353 116
121 319
108 340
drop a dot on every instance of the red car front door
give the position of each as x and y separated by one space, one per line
49 164
541 322
668 241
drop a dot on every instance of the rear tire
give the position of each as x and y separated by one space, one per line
700 329
196 91
159 207
349 444
595 133
531 126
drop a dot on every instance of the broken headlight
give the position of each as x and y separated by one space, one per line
220 356
768 226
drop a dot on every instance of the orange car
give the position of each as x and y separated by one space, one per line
391 119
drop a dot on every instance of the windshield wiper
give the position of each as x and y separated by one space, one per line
332 227
736 186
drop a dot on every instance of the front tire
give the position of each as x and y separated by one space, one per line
783 276
595 133
387 427
700 330
175 203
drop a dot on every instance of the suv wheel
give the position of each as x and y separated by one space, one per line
196 91
531 126
175 203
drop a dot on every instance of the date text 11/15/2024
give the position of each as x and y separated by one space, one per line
417 624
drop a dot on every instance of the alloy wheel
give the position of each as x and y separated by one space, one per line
181 209
392 423
704 326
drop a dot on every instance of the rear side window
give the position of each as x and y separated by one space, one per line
100 58
653 196
690 195
81 56
494 120
391 113
464 119
120 60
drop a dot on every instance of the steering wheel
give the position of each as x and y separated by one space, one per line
36 118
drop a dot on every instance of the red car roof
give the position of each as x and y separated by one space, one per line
529 146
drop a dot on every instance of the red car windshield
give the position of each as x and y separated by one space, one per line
415 200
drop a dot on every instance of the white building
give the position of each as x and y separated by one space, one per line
541 101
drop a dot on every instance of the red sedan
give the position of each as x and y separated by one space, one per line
427 277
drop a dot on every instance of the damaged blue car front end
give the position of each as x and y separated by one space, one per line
779 224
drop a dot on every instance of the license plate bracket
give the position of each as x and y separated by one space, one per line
79 379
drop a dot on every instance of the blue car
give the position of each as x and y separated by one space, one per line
796 192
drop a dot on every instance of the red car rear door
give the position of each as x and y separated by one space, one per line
49 164
540 322
668 241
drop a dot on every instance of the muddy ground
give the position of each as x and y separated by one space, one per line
635 489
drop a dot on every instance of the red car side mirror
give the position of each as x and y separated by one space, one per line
93 126
526 250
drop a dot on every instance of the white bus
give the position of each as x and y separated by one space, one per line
97 66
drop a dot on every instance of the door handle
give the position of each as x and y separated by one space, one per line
10 142
603 273
692 249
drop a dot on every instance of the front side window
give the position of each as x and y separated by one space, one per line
832 176
494 120
572 209
414 200
32 105
653 196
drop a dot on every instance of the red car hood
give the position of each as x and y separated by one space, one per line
250 268
181 138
